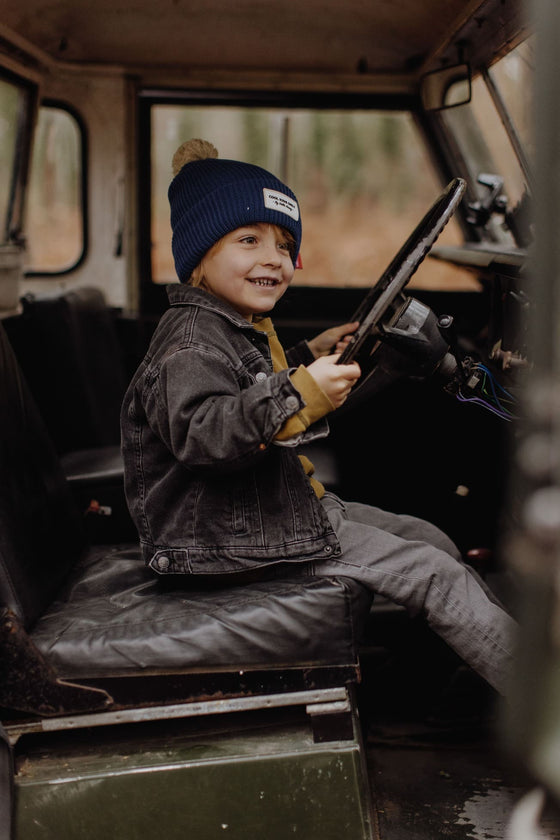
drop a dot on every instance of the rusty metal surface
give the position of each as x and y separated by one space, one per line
319 702
28 683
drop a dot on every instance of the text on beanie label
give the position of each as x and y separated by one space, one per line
274 200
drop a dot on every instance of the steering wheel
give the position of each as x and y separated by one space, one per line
380 303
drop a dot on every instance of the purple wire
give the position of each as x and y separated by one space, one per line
484 404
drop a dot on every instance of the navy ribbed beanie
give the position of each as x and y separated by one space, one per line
210 197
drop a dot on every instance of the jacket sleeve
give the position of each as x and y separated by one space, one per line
210 416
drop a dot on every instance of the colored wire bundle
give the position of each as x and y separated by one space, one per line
490 394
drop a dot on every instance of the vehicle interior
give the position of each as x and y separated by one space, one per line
131 704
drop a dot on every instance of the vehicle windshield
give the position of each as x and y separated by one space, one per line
363 179
480 132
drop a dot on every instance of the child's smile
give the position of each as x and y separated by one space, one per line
249 268
263 281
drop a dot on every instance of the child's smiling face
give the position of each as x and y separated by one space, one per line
249 268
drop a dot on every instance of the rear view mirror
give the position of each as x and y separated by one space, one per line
446 88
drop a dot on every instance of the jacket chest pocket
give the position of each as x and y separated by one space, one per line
254 367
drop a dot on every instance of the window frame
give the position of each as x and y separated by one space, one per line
153 296
15 210
445 139
83 182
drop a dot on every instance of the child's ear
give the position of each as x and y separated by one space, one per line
299 263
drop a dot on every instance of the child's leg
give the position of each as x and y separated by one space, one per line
410 563
410 528
401 525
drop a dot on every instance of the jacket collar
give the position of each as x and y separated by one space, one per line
181 294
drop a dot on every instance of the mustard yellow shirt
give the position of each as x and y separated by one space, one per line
317 404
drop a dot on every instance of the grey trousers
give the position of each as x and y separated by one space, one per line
412 563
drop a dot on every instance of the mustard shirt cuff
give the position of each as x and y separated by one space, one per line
317 404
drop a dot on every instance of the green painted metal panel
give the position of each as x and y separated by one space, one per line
274 783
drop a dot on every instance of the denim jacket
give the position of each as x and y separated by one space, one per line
208 487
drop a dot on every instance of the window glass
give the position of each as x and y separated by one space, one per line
483 140
363 180
54 206
514 76
12 100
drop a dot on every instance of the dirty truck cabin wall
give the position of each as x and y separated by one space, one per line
101 99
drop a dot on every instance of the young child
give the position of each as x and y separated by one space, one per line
213 417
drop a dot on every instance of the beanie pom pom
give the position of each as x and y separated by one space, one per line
192 150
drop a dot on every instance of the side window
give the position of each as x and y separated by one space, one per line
55 204
485 137
15 112
514 76
362 177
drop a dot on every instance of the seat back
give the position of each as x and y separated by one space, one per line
41 533
68 349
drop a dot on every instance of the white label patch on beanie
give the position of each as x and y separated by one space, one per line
283 203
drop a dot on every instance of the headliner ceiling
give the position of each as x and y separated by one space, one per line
325 37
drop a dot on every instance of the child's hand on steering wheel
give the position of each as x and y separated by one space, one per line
333 340
336 381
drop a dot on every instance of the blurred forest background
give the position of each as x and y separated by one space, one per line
362 178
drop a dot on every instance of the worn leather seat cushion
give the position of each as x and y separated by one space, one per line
114 616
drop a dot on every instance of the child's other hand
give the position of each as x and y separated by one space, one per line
335 380
334 338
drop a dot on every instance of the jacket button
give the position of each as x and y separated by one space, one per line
261 376
292 403
163 563
328 549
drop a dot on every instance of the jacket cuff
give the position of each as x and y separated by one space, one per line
317 404
300 354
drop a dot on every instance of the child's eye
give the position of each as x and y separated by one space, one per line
249 240
286 247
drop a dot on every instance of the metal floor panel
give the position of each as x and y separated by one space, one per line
435 747
429 783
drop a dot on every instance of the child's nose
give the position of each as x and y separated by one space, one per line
270 253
